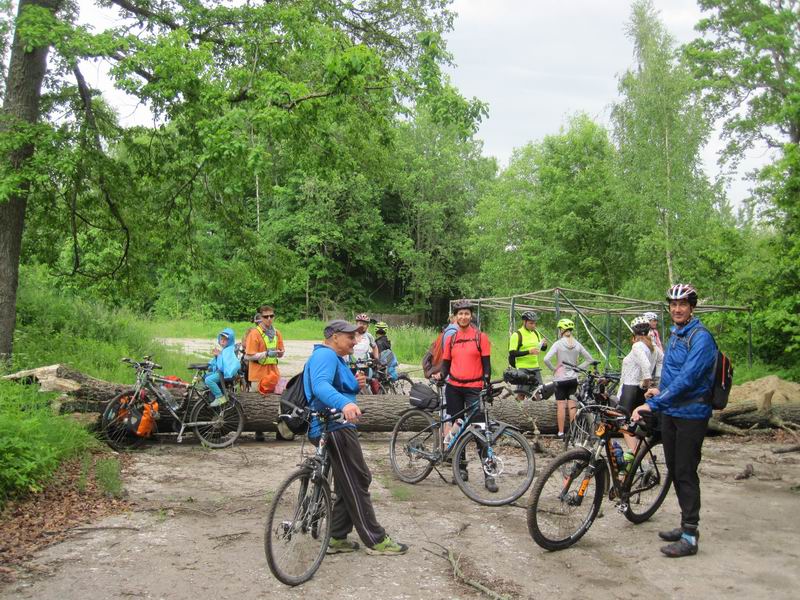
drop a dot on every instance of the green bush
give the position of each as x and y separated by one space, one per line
33 441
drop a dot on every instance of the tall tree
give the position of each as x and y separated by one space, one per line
660 128
749 63
235 82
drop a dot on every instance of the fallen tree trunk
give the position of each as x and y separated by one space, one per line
82 393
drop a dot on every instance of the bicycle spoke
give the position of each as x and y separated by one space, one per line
414 446
220 426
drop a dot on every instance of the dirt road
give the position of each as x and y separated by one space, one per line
196 533
297 352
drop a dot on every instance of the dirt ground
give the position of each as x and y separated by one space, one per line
196 532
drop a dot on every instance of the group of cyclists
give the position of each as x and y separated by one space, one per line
675 384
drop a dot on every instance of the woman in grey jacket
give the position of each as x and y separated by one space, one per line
566 349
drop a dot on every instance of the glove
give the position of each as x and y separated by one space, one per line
259 356
440 383
486 381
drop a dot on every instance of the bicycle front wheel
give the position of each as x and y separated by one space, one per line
118 423
565 500
493 474
580 430
298 528
414 446
220 426
647 483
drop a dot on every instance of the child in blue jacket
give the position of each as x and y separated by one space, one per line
224 365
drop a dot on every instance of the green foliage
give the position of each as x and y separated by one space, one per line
33 441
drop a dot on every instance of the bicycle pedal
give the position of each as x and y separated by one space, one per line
622 507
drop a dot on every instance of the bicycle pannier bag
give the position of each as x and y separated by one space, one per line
424 397
519 377
294 404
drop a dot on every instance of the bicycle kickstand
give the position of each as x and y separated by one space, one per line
180 433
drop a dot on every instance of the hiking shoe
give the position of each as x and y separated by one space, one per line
685 546
337 546
674 535
218 402
388 547
560 435
491 484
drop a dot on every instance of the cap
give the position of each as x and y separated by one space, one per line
339 326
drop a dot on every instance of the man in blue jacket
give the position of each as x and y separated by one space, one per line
329 383
687 378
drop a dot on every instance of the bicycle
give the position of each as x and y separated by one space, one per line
215 427
417 446
378 379
566 498
298 527
595 388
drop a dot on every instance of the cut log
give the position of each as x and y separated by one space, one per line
755 404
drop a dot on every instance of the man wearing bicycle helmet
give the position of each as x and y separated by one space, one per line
523 352
652 319
466 368
687 379
566 349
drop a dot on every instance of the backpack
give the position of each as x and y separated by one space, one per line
294 405
433 357
723 375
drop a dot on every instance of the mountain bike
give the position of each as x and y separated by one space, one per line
500 451
566 498
594 388
379 381
132 416
298 527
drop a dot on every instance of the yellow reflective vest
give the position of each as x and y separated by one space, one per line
523 340
273 345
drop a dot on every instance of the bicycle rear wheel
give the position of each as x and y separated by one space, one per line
509 462
116 423
220 426
413 446
580 430
402 385
565 501
298 528
648 482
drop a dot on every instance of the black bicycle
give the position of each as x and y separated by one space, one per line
566 498
593 388
500 451
132 417
379 381
298 527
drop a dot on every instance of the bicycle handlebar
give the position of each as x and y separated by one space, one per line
145 364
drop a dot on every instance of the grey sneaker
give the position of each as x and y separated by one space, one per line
218 402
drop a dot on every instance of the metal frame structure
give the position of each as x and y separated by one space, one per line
586 305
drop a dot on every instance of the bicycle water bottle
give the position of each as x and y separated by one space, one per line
619 456
168 397
454 431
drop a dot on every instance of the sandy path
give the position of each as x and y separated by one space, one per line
297 352
199 518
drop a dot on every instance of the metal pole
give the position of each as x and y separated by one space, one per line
558 311
478 316
512 318
750 339
608 336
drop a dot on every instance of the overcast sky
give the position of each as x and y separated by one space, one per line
537 63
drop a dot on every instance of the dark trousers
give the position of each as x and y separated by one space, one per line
351 479
683 441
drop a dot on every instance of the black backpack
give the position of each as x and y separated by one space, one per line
723 375
294 405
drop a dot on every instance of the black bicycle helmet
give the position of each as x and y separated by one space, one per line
463 304
529 315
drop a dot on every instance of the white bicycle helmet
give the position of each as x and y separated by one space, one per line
640 325
683 291
650 316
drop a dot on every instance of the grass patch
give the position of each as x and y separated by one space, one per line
34 441
107 473
402 492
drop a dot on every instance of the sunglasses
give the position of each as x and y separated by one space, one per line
267 316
